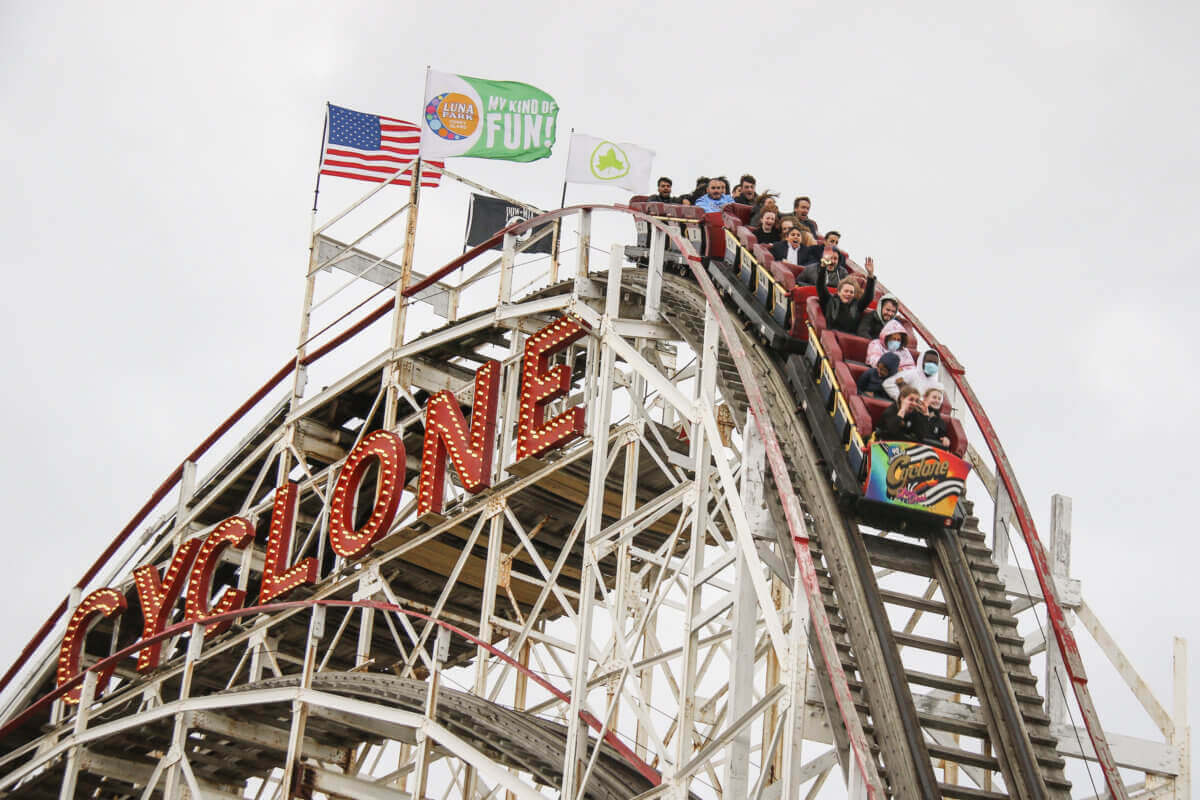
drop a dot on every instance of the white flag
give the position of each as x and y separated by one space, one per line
593 160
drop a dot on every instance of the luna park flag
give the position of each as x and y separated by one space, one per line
488 215
367 147
486 119
593 160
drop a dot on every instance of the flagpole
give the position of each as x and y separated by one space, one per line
400 313
400 310
562 203
320 161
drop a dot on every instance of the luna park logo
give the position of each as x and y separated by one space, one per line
452 116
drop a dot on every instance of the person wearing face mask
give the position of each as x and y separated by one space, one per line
922 376
904 420
873 320
893 338
843 309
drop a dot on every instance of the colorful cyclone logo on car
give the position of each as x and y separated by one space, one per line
452 116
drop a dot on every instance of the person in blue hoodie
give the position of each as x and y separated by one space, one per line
717 196
870 383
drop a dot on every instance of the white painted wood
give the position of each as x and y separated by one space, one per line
1112 651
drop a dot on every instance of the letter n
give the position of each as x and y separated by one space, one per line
278 578
102 602
537 436
158 595
446 432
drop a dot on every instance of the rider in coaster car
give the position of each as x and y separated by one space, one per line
873 320
922 376
938 434
870 383
843 309
904 419
893 338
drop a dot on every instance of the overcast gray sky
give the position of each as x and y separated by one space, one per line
1024 174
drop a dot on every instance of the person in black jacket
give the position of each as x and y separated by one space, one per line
767 231
664 192
904 420
870 383
872 322
843 310
799 248
937 432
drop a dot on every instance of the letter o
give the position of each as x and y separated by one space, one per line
388 449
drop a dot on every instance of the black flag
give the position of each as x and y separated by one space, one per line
489 215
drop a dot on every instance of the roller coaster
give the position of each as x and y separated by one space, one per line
608 535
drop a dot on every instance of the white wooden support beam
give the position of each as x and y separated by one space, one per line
796 675
658 241
599 411
701 447
1002 515
335 783
506 269
87 697
1135 682
1022 584
1182 736
1057 680
585 245
745 612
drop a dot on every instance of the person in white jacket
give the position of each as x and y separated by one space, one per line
923 376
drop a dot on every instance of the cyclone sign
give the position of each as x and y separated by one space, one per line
916 476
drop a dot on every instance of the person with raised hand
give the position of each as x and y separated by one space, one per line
843 309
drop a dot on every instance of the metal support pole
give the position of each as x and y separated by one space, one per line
744 615
658 245
601 401
506 269
487 607
316 629
1001 515
400 314
424 744
1182 735
175 754
1060 565
585 243
705 394
87 697
796 676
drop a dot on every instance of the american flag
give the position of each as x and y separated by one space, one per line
367 147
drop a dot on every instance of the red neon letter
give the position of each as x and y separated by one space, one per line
386 448
277 578
102 602
158 598
235 532
539 386
445 431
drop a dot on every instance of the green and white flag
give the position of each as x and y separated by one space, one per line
593 160
486 119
